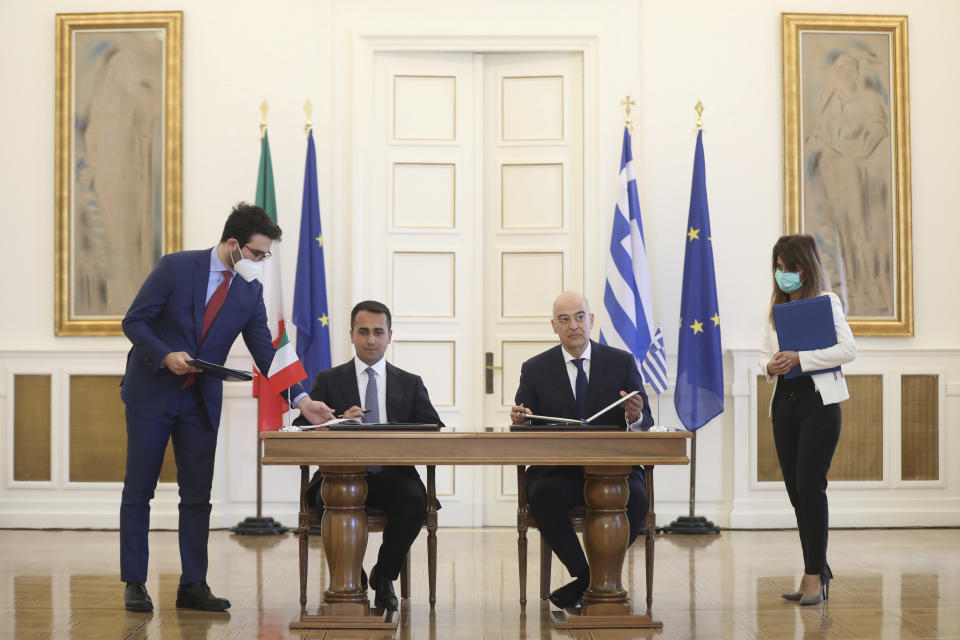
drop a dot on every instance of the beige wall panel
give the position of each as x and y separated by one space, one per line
424 195
508 481
532 108
919 427
446 481
435 362
424 107
31 428
529 283
424 284
98 432
768 467
513 353
531 196
859 454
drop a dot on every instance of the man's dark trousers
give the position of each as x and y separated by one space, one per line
553 491
194 447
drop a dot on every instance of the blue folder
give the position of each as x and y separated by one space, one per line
805 325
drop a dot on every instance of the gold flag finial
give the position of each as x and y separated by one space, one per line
264 107
628 102
308 109
699 109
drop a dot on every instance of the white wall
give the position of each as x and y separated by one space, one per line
665 54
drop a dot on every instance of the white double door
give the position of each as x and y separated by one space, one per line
472 213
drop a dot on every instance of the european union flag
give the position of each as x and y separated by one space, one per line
310 291
698 396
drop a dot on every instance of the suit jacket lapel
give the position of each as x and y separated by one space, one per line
394 394
562 382
596 382
201 277
349 385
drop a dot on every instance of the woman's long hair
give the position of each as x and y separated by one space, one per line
799 253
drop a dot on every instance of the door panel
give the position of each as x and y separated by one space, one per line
533 224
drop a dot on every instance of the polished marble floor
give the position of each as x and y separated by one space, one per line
889 584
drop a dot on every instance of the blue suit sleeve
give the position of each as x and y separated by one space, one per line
146 306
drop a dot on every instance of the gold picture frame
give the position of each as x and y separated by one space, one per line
118 198
846 159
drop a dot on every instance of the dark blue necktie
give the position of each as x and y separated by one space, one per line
581 388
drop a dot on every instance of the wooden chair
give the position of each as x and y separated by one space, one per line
526 521
376 520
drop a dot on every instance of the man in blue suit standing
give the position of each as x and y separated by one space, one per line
191 306
576 379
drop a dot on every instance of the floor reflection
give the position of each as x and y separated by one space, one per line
888 584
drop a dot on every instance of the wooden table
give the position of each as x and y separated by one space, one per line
607 458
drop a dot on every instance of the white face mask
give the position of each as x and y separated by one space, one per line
248 269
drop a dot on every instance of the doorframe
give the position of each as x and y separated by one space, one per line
358 145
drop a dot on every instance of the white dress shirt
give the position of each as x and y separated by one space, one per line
572 374
572 368
380 370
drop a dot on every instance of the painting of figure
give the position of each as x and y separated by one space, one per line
118 207
847 152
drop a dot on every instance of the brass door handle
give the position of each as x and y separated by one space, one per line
488 370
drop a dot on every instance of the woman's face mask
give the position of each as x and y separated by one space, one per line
788 281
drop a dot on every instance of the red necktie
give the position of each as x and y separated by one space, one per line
213 308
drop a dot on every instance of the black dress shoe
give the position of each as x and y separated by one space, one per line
384 597
197 595
571 594
136 598
363 579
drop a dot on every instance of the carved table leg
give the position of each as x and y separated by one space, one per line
343 531
606 533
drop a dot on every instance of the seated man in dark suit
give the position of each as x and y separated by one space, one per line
389 395
575 379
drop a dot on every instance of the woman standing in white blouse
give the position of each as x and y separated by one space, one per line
805 410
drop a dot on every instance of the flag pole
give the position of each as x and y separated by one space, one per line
259 525
692 524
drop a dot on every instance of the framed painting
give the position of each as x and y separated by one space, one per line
846 142
117 161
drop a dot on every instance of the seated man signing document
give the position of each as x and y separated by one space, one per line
370 389
575 379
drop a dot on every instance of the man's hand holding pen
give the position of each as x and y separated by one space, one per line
354 412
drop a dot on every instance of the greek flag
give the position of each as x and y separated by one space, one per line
654 367
628 322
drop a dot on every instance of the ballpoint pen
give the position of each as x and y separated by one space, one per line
362 410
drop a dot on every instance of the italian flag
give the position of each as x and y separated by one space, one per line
270 404
285 370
